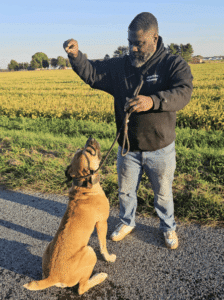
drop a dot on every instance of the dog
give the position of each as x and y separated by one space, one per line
68 260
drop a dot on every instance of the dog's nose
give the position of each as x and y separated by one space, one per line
90 140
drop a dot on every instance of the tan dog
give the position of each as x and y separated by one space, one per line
68 259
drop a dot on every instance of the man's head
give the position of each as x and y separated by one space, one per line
143 37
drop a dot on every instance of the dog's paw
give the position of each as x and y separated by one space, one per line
110 258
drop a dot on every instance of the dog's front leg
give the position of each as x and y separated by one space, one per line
101 228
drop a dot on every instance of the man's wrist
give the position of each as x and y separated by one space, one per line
151 101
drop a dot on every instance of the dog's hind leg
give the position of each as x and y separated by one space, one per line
90 260
94 280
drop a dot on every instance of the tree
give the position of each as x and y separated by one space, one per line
121 51
106 57
45 63
185 51
174 49
26 65
34 64
37 60
54 62
68 65
21 66
61 62
13 65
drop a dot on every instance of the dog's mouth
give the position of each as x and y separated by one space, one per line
93 147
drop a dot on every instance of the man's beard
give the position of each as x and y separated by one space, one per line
138 60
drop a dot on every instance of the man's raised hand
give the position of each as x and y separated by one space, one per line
71 47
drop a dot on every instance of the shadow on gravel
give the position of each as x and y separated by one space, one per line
144 233
52 207
33 233
15 257
149 235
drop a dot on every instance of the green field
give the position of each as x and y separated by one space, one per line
46 115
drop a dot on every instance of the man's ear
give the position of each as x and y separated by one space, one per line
156 38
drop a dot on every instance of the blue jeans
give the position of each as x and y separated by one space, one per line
159 166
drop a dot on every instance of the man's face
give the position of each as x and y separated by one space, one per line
142 45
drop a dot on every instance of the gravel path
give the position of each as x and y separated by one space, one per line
144 268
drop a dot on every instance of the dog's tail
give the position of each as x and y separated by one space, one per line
40 285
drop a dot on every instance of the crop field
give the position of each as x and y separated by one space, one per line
61 94
46 115
52 94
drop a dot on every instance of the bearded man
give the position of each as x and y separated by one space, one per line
167 88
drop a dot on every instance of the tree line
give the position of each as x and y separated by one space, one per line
40 59
186 51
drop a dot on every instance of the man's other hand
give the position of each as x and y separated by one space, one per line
138 104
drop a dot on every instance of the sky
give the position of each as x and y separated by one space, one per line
27 27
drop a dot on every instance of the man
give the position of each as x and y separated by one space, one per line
166 89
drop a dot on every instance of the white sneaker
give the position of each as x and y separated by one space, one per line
171 239
120 232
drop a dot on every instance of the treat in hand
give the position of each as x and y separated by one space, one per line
71 47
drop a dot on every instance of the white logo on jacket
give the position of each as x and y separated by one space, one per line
152 78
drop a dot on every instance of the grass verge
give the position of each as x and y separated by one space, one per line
35 153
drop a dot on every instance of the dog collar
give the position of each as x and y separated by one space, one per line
88 182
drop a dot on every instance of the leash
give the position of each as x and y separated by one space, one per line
126 120
125 139
125 125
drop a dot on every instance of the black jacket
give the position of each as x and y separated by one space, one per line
167 80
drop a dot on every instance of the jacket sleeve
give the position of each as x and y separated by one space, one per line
180 88
97 74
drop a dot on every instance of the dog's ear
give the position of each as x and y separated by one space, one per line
67 174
